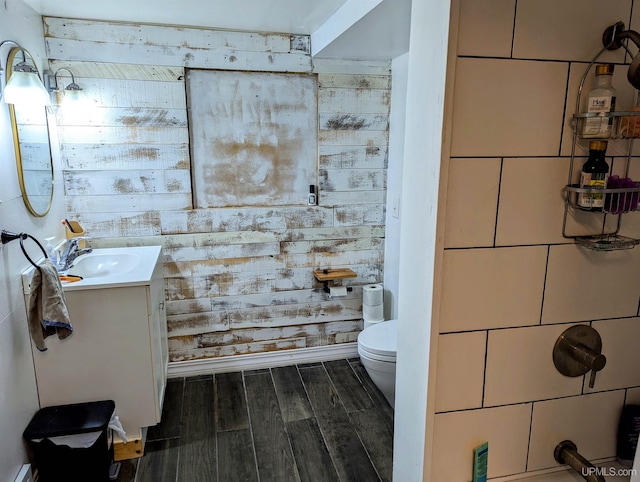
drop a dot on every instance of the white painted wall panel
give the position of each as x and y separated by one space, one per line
123 33
237 279
178 56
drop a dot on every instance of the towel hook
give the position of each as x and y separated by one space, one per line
8 236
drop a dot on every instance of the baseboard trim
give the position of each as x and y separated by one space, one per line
256 361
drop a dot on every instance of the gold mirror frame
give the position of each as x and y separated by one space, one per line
35 172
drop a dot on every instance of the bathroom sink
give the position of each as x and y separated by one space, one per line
113 267
97 265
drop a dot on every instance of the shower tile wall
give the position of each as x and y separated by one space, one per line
511 283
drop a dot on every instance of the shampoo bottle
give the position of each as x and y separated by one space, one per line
600 100
594 176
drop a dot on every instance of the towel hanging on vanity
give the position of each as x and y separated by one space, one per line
47 313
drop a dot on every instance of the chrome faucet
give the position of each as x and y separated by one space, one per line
71 252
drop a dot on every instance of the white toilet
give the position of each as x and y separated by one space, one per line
377 346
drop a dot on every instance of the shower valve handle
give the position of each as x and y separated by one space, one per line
591 359
578 351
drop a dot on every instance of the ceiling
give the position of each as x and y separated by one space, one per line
286 16
364 29
381 33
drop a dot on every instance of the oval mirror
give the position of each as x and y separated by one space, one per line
31 143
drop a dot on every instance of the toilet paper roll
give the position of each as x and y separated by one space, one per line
337 291
372 313
367 324
372 295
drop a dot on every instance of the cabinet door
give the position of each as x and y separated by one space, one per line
158 333
108 356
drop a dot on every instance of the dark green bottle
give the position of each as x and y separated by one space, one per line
595 173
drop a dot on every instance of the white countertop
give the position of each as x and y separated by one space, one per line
146 260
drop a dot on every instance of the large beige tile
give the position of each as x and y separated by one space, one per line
584 284
633 397
520 368
472 199
590 421
620 340
492 288
460 372
508 108
566 30
532 204
458 433
630 225
486 27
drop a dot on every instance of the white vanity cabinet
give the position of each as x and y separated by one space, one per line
118 349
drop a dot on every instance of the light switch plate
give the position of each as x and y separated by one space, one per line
395 207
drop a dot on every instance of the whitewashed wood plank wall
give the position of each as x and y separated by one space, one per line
237 280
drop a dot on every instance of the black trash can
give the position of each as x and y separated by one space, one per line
61 459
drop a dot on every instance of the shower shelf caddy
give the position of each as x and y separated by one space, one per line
617 201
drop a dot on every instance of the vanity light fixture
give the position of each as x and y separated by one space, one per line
24 86
72 92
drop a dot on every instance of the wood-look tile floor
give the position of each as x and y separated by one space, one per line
313 422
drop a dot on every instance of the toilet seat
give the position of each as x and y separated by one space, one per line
379 341
375 356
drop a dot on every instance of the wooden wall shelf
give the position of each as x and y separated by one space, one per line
325 275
